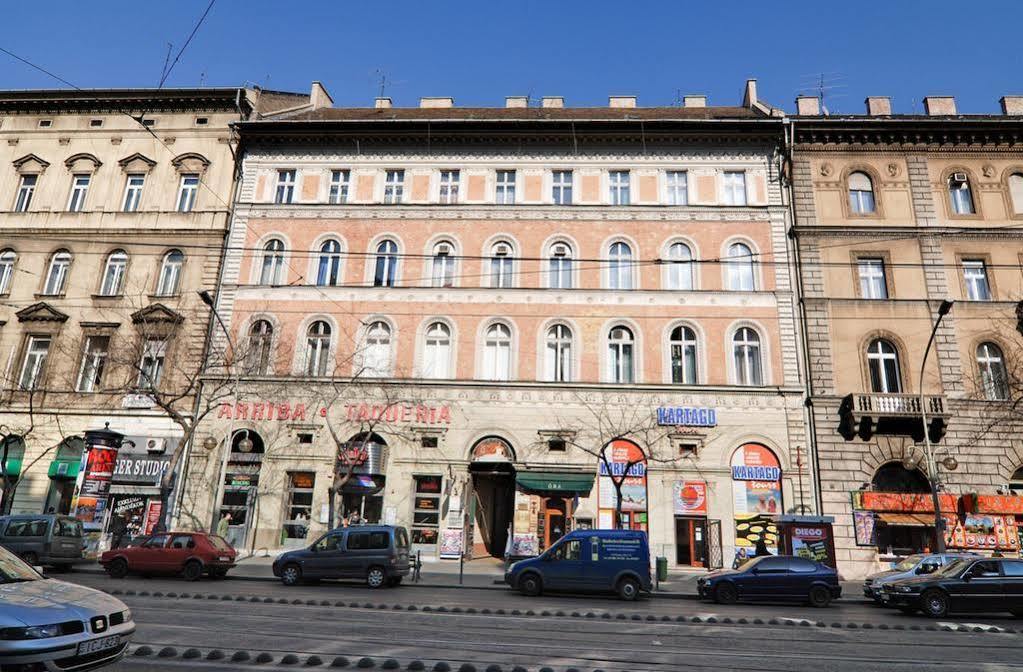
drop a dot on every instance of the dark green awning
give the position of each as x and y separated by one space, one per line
64 468
560 482
13 467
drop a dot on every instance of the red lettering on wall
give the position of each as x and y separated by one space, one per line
224 411
241 411
299 412
445 415
257 411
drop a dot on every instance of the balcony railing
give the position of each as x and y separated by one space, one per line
867 414
897 405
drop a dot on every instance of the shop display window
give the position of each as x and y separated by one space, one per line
300 504
426 510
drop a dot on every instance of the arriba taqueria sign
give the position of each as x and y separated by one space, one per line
422 414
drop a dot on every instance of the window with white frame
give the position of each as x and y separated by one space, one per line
739 268
385 272
505 194
339 183
394 186
443 271
285 192
873 281
26 190
328 268
1016 192
735 187
993 377
317 349
437 351
187 192
376 356
79 190
272 270
960 194
620 356
861 194
682 350
8 259
558 354
37 349
883 365
975 279
501 266
170 273
113 274
56 275
94 359
559 266
261 335
619 266
618 182
133 191
680 266
151 365
677 185
449 186
497 353
561 185
746 355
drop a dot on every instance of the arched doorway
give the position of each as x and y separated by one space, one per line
491 500
894 477
899 533
757 499
1016 481
361 470
241 486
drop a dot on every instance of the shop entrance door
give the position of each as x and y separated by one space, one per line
554 521
691 541
494 494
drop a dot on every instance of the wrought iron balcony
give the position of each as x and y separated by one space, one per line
867 414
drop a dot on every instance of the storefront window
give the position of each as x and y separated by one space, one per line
300 505
426 511
757 499
625 463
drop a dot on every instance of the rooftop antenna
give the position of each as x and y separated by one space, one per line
821 85
202 78
166 61
383 83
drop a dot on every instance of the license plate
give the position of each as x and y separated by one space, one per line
101 644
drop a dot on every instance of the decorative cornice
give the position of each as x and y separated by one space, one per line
903 232
156 313
41 312
909 134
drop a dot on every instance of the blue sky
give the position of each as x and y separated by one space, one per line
479 52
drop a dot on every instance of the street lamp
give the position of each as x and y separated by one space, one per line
932 470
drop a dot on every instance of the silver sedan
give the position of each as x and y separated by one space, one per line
54 625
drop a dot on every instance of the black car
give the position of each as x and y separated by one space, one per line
376 554
773 578
982 584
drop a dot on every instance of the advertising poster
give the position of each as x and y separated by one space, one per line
133 509
689 498
810 542
984 531
620 454
93 485
525 541
864 524
153 511
451 543
757 500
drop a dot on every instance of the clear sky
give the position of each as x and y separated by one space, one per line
479 52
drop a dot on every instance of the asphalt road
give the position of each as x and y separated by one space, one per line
434 625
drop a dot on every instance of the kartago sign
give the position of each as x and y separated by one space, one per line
420 414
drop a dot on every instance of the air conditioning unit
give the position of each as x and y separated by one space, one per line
960 178
155 445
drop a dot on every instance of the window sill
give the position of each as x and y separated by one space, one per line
163 297
107 297
49 296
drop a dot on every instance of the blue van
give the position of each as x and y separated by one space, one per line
588 560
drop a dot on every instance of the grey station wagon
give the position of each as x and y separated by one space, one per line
376 554
45 539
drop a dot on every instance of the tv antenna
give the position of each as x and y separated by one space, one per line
822 86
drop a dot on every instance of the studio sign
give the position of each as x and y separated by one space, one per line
139 469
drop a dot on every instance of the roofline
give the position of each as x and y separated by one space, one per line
81 100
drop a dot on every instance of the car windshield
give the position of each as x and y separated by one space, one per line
13 570
909 563
219 543
953 567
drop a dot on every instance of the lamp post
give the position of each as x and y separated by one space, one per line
932 470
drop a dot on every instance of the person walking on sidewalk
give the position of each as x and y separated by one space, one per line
223 525
118 526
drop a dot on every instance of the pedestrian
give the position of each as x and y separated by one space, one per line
118 526
224 525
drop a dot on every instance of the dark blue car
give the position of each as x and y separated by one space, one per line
773 578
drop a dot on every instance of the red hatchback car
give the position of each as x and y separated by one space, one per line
190 554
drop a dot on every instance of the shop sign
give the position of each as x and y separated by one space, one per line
689 498
687 416
810 542
262 410
620 454
984 531
140 469
756 480
491 450
1008 504
364 457
908 502
404 413
744 472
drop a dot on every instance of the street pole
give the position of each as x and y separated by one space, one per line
932 470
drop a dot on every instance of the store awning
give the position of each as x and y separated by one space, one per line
562 482
13 467
64 468
906 519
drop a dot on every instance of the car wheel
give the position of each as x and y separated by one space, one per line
118 568
820 597
376 577
726 594
935 603
291 575
530 584
628 589
30 558
192 570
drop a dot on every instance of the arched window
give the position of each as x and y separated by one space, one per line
328 271
272 272
739 267
443 265
170 273
497 353
1016 192
746 352
893 477
861 193
261 335
501 271
619 268
376 359
113 274
683 355
883 362
959 194
1016 480
56 275
559 266
8 258
558 354
437 351
680 266
620 362
993 377
317 358
386 272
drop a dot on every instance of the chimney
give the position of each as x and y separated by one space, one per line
382 103
436 102
552 101
516 101
621 101
1012 106
694 101
749 95
319 97
938 106
808 106
879 106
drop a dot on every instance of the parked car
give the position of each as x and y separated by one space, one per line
773 578
588 560
909 567
190 554
376 554
53 625
967 584
43 540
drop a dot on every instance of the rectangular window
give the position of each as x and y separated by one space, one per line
873 284
154 352
735 187
187 192
285 187
619 183
678 187
94 359
79 190
505 187
426 509
26 190
133 192
300 504
36 351
975 278
562 187
449 186
339 181
394 186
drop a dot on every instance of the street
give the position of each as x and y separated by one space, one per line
227 625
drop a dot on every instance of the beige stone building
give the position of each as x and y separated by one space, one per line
892 215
